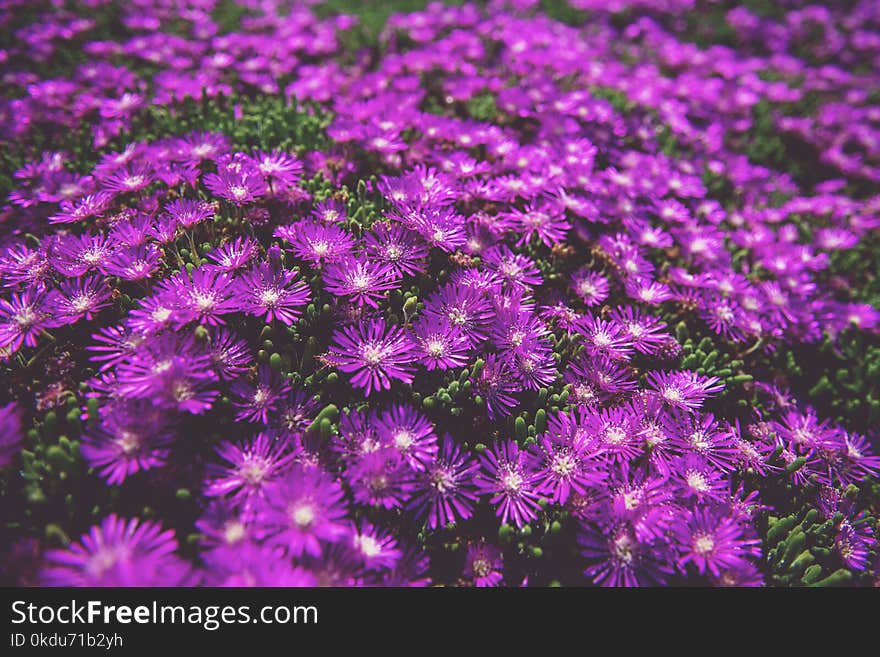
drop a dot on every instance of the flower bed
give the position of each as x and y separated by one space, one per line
517 293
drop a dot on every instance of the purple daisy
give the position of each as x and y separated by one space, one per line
205 294
81 298
317 243
439 344
516 269
25 315
483 565
445 489
374 354
362 281
73 255
466 309
119 552
256 401
493 384
302 511
240 186
684 389
566 466
440 227
409 432
229 354
278 168
396 246
135 263
170 370
508 475
712 543
380 478
271 292
187 213
590 287
233 255
376 548
620 559
249 467
131 436
86 207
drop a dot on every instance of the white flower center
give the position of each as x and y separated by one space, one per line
303 516
704 544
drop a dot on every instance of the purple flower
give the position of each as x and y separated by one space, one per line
713 543
615 432
225 532
132 178
619 558
517 270
532 363
696 478
86 207
483 565
396 246
545 221
233 255
134 263
271 292
25 315
508 475
409 432
364 282
643 331
189 212
329 211
317 243
198 146
153 315
591 287
566 465
131 437
170 370
703 436
118 552
205 295
464 308
852 461
439 345
445 490
74 256
377 549
229 354
854 542
250 467
440 227
116 344
302 511
255 402
685 389
278 167
494 384
605 338
380 478
374 354
263 566
240 186
81 298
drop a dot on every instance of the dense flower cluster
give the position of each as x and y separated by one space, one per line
456 333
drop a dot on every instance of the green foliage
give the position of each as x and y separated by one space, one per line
482 107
